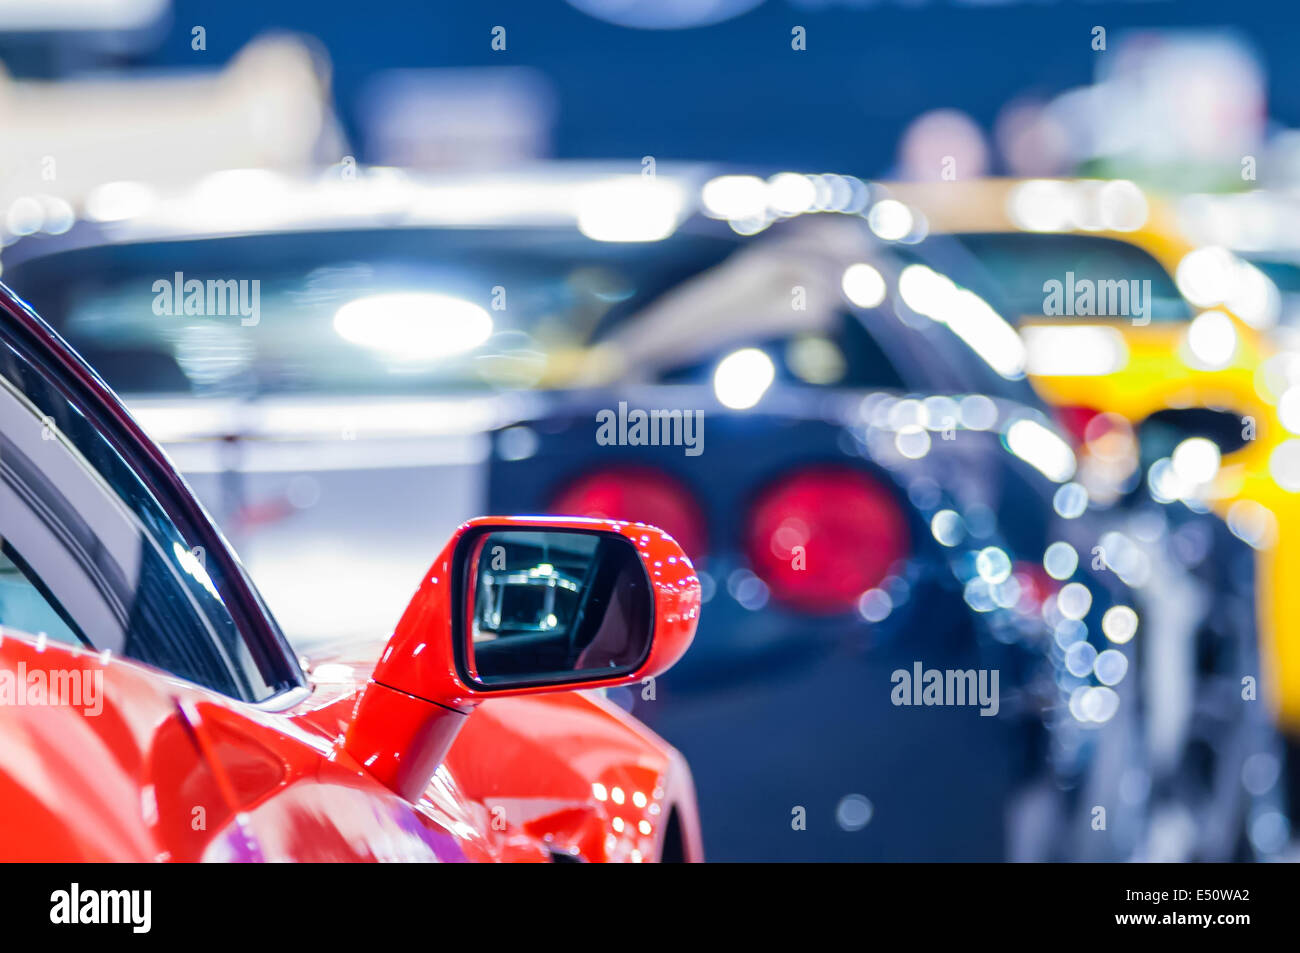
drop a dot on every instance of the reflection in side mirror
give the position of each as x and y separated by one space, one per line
519 605
552 606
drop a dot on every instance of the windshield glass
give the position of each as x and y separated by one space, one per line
1286 276
1095 276
392 311
441 310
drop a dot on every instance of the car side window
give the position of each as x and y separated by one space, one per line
24 605
88 555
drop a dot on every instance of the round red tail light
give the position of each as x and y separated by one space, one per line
638 494
1075 420
822 537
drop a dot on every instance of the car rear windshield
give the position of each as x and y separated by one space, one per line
322 312
1022 265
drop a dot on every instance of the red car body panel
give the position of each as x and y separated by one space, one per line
147 766
168 771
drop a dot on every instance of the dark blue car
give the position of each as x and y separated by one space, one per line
873 494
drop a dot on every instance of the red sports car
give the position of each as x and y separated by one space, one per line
151 710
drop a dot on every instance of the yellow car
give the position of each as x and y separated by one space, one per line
1121 314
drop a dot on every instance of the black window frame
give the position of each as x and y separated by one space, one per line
36 344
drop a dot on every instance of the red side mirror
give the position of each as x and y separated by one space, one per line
519 605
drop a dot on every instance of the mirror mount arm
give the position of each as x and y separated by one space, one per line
398 733
401 739
417 701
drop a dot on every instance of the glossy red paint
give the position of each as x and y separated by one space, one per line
166 771
599 782
155 769
419 659
417 702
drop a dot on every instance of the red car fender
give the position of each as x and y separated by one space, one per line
165 771
80 784
151 772
576 773
519 781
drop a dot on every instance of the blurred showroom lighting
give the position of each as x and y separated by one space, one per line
742 377
1041 205
1098 704
414 325
1031 140
1288 409
1074 350
1070 501
1254 297
863 285
630 209
1123 207
1060 560
115 201
924 290
1212 340
993 564
1213 275
1052 205
789 193
912 441
59 215
25 216
1074 600
977 412
1196 460
1284 465
854 812
973 320
1253 523
736 197
1204 275
890 219
1119 624
968 315
1041 449
1110 667
815 359
1080 658
947 527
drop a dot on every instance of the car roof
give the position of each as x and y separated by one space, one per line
347 197
350 197
1114 209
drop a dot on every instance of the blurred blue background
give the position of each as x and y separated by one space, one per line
735 90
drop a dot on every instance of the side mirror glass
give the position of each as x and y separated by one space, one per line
550 606
517 605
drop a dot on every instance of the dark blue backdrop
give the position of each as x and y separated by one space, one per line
736 90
